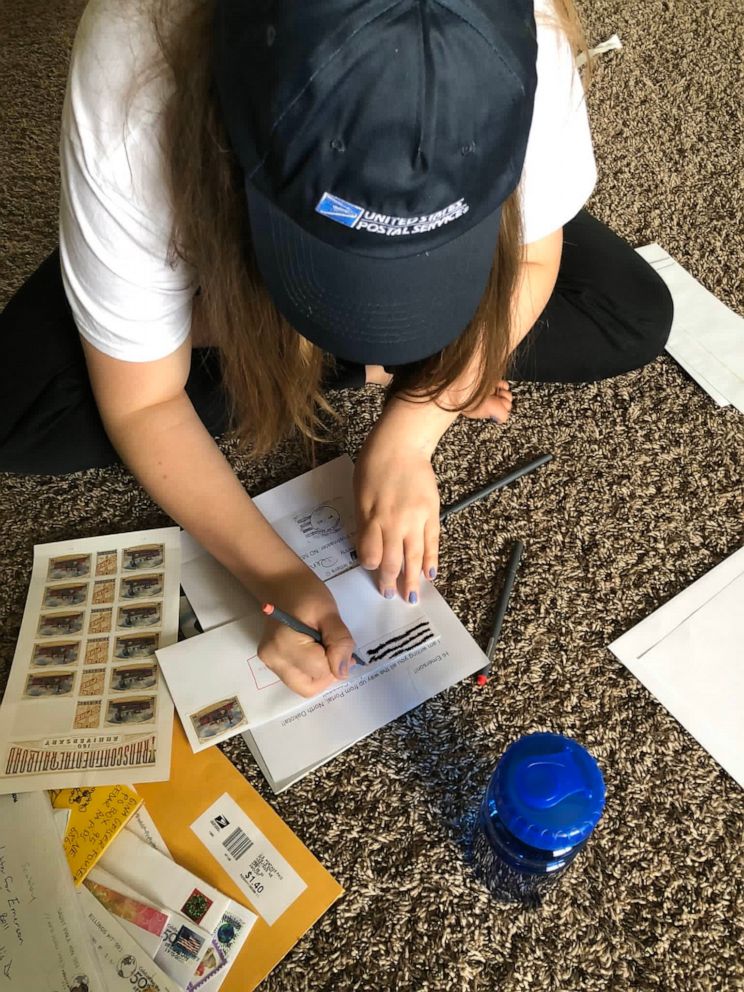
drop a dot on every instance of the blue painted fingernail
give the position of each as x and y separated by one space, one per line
495 420
343 669
432 573
412 598
389 594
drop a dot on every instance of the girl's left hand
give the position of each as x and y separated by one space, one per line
397 512
396 490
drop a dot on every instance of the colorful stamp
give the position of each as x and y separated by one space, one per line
68 567
142 915
133 710
99 621
142 558
96 651
228 930
55 653
214 961
141 615
106 562
129 647
103 591
134 678
92 682
185 944
60 624
49 684
142 586
196 906
218 718
87 715
67 595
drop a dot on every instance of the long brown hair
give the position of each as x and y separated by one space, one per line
272 375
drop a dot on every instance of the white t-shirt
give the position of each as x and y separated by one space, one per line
128 299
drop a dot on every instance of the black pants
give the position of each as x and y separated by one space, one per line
609 313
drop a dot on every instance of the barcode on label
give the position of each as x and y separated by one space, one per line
237 843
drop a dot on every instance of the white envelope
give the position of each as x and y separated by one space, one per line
707 338
163 882
690 655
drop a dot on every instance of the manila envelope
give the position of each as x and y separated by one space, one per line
196 782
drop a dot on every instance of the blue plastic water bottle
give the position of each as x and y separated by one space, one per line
545 797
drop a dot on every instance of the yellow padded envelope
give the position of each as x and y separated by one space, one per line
196 782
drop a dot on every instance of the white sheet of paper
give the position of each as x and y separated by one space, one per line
707 338
690 655
313 513
85 704
295 735
44 941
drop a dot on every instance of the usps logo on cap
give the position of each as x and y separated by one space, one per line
334 208
361 219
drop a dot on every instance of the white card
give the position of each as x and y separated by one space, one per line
249 858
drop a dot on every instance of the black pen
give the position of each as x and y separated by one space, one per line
517 473
501 605
302 628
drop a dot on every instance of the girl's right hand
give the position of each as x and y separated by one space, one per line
303 665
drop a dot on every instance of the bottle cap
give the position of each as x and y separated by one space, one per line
548 791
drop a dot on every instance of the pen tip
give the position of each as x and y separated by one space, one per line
268 609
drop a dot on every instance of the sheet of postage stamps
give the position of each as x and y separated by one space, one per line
85 703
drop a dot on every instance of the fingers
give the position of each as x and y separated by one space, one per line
382 549
413 560
406 556
370 545
297 660
431 548
392 562
338 644
397 499
406 559
301 663
504 393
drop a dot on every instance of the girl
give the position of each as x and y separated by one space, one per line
261 201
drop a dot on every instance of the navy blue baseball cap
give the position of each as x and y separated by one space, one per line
378 140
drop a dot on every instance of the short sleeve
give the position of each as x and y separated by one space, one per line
559 170
127 297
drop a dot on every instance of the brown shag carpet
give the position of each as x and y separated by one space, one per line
643 497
